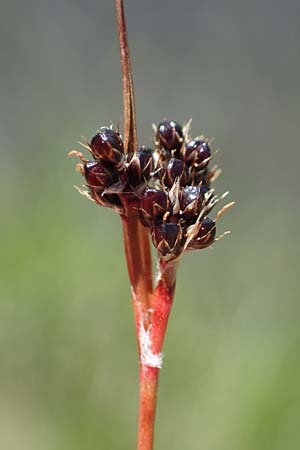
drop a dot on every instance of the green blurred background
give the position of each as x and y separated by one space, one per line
68 360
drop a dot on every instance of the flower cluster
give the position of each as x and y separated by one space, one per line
169 185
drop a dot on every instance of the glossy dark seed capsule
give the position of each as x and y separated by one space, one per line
175 169
167 238
191 200
154 204
206 235
170 135
140 166
97 175
145 156
107 146
196 153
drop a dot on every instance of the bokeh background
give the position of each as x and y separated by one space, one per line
68 362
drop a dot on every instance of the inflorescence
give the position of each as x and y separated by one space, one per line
169 185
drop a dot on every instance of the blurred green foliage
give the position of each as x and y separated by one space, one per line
68 363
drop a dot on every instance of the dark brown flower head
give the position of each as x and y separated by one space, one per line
98 175
107 146
169 135
145 156
191 199
197 153
154 204
140 166
205 236
169 186
175 169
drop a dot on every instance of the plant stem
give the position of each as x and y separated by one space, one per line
138 255
162 305
136 238
139 267
130 134
147 407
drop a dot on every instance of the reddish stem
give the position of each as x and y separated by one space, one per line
139 267
162 305
147 407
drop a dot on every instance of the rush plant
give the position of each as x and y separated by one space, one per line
164 193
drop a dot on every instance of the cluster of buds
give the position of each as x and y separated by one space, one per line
168 185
